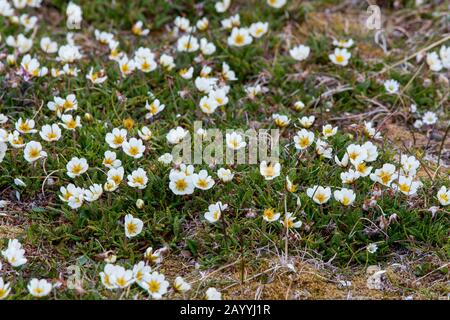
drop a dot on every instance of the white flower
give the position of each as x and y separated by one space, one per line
69 191
69 122
307 122
123 277
166 158
289 221
5 288
96 77
418 124
110 186
167 61
3 149
21 43
133 226
182 23
69 53
50 132
16 140
116 138
235 141
385 175
299 105
3 118
39 288
134 148
93 193
342 163
138 179
323 149
429 118
370 131
202 180
343 43
433 61
176 135
25 126
340 57
187 43
186 73
110 160
372 248
76 166
228 75
220 96
444 53
139 271
145 133
205 85
108 276
407 186
443 196
208 105
345 196
14 254
409 165
356 153
269 215
328 130
391 86
303 139
225 174
138 30
155 284
103 37
362 169
258 29
276 3
32 67
239 37
180 285
155 257
48 46
280 120
319 194
126 66
269 170
202 24
180 183
19 182
371 150
33 151
74 15
116 175
222 6
300 52
215 211
144 60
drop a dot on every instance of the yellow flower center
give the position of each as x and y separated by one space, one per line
118 140
181 184
34 153
340 58
320 197
202 183
239 39
76 169
138 180
131 228
385 177
133 151
153 286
